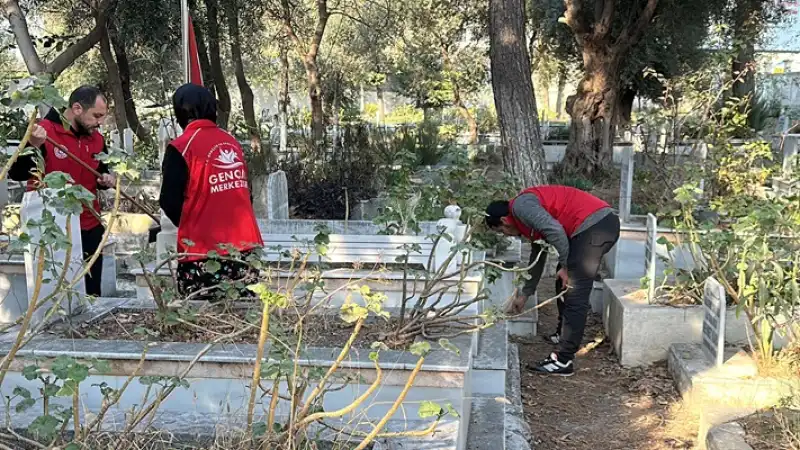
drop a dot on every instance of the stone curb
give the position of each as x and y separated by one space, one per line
728 436
517 431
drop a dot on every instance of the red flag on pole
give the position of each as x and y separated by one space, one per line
195 74
191 59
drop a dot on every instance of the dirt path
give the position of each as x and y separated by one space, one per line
603 406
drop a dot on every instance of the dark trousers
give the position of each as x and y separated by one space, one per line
586 250
90 239
193 278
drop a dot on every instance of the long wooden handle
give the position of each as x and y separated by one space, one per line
99 175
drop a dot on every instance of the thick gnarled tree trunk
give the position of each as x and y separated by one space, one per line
514 97
592 108
592 113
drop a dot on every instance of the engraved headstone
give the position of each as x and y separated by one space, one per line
714 308
127 140
277 196
33 207
790 151
626 184
650 256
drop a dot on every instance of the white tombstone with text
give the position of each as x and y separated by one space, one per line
650 256
715 309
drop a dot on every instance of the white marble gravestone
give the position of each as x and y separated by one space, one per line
626 184
127 140
790 154
650 256
454 231
715 310
277 196
32 209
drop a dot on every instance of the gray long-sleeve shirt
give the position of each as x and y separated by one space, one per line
528 210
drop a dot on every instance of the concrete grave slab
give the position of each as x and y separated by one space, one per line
642 333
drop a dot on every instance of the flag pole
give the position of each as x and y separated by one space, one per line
185 36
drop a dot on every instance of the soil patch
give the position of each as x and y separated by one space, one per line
603 405
318 330
773 430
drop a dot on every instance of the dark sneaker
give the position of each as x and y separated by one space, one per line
552 338
552 366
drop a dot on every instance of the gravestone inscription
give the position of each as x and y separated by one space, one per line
714 308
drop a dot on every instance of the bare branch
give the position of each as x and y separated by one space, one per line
19 25
84 44
633 34
606 18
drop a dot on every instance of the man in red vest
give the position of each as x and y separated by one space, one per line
86 112
582 228
204 192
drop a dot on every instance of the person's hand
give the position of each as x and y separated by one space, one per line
38 136
517 305
107 180
562 275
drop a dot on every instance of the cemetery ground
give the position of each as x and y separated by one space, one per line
603 405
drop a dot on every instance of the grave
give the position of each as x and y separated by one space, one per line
626 185
33 207
277 196
361 250
714 303
650 257
722 382
642 333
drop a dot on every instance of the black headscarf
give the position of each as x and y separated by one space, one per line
193 102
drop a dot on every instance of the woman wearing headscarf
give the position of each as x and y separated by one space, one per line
204 192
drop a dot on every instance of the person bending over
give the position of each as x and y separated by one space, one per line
582 228
204 192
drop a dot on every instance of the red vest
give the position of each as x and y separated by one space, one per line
216 208
85 148
568 205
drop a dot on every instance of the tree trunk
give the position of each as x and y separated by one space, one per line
743 71
315 99
592 111
337 105
248 100
513 92
202 52
223 97
309 54
115 82
562 85
283 100
125 80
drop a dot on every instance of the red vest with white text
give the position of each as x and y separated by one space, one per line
568 205
216 209
85 148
